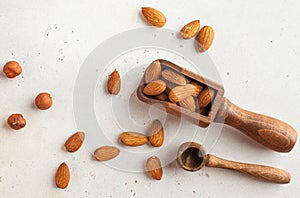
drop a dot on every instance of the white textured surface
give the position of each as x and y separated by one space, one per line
256 51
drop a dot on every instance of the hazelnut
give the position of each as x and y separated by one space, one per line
12 69
43 101
16 121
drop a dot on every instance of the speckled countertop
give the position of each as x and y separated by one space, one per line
256 51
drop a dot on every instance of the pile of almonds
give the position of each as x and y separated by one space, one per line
166 84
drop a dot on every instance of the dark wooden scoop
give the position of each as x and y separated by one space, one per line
192 157
268 131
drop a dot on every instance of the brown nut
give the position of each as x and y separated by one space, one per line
153 71
12 69
156 134
16 121
190 29
106 153
43 101
74 142
133 138
62 177
154 17
154 168
114 83
205 38
155 88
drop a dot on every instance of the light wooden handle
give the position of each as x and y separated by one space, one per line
268 131
266 173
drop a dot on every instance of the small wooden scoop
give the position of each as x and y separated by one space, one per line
268 131
192 157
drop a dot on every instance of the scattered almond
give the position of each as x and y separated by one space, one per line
205 38
162 97
154 17
173 77
153 71
106 153
62 176
155 88
205 97
74 142
154 168
180 93
133 139
188 103
114 83
190 29
156 133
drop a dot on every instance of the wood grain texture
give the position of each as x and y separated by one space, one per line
268 131
266 173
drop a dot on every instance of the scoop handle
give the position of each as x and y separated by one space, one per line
268 131
267 173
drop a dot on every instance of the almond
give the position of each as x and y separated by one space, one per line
105 153
205 97
133 139
180 93
156 133
62 177
162 97
155 88
153 71
199 87
154 168
154 17
114 83
74 142
188 103
190 29
205 38
173 77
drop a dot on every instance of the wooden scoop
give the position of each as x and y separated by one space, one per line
192 157
268 131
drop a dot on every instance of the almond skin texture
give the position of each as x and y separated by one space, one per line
106 153
16 121
199 87
12 69
153 71
133 139
188 103
173 77
180 93
154 168
43 101
62 177
205 38
154 17
74 142
114 83
155 88
205 97
190 29
162 97
156 134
